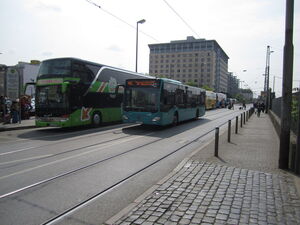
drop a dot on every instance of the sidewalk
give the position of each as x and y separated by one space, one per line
25 124
242 186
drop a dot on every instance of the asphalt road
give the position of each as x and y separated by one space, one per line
85 176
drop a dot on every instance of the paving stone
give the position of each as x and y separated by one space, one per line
207 193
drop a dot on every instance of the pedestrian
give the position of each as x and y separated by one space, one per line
259 109
244 104
15 109
255 107
262 107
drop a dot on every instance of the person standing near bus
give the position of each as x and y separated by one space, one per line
15 108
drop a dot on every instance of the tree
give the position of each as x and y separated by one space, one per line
191 83
239 98
206 87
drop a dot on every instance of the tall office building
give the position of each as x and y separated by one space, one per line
233 85
199 61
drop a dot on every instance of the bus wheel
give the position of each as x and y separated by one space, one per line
175 120
96 120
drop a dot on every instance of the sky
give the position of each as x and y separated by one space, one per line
43 29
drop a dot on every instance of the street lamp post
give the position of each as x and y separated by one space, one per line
267 76
137 38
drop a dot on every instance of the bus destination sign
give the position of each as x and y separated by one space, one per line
143 83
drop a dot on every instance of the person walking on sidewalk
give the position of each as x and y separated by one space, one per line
259 108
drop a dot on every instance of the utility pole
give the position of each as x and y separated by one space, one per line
287 81
267 78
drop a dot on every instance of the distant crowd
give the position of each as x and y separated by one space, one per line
11 111
259 107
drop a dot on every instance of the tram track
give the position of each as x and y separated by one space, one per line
71 210
15 163
71 150
89 165
65 141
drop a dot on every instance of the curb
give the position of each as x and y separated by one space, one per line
138 200
2 129
131 206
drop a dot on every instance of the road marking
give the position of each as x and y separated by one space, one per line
25 159
20 150
69 139
74 156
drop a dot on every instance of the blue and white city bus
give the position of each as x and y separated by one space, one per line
161 102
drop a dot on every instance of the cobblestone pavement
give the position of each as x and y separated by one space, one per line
209 193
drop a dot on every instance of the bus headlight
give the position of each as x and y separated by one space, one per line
125 117
155 119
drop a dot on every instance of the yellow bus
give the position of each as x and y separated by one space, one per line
211 100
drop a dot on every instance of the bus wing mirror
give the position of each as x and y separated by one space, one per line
27 85
119 89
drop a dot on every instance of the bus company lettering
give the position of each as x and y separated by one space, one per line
50 81
85 114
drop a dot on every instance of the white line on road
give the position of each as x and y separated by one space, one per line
25 159
74 156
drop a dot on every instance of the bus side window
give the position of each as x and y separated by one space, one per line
82 72
180 98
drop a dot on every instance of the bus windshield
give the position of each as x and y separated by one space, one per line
50 97
141 99
58 67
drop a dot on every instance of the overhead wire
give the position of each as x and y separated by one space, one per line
168 4
120 19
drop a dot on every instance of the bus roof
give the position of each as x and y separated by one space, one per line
97 64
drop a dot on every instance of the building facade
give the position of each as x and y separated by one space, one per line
199 61
14 78
247 94
233 85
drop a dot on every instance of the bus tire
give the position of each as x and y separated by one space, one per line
96 119
175 119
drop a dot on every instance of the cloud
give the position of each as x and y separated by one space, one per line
41 6
46 7
114 48
47 54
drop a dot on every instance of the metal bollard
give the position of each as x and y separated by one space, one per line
241 119
236 124
229 130
217 142
244 115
